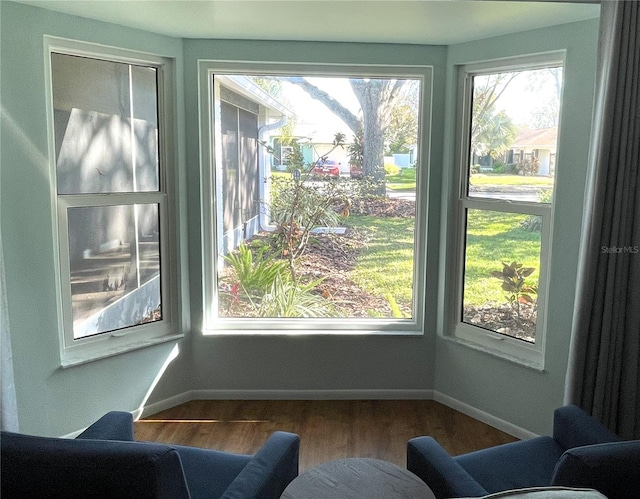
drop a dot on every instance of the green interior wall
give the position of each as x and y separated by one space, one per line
54 401
509 391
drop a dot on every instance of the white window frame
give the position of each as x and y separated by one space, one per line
513 349
82 350
212 324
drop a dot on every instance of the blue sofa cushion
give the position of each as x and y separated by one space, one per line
527 463
594 466
53 467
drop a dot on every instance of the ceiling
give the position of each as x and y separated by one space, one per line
434 22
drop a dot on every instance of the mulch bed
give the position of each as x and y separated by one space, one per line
333 256
502 318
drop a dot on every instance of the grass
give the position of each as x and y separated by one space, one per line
493 237
495 179
386 267
403 181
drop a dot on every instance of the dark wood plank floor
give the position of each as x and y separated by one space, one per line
329 429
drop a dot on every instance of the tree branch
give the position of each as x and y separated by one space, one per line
350 119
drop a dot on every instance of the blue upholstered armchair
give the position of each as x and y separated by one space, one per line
104 462
582 453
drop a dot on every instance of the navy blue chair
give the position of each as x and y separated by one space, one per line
581 453
105 462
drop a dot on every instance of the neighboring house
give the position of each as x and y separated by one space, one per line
316 143
248 115
538 143
321 145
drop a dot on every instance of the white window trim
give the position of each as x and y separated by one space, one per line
79 351
512 349
212 324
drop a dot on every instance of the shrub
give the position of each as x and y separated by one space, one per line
255 274
498 168
390 169
288 299
513 284
529 166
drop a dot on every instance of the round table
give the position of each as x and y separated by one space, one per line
357 478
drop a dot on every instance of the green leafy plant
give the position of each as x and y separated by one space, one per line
255 274
297 208
517 290
299 205
289 299
356 151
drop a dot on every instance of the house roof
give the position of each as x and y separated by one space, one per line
246 87
536 138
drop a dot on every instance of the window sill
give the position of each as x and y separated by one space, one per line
536 364
71 360
237 332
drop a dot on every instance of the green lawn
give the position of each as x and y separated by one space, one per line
404 181
519 180
493 238
386 266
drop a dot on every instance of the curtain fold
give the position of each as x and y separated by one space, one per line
603 376
8 408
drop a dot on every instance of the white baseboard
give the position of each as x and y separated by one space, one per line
282 395
163 405
462 407
485 417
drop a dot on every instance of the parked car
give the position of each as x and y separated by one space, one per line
355 171
327 167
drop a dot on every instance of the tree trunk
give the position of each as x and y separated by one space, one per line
376 97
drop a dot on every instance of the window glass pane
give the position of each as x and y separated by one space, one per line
114 261
317 183
502 263
230 167
513 137
97 149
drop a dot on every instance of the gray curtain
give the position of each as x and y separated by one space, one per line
604 376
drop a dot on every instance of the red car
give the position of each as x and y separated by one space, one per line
327 167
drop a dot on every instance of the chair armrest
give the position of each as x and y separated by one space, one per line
270 470
114 425
611 468
75 469
573 427
444 476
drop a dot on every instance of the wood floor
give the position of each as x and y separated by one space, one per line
328 429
